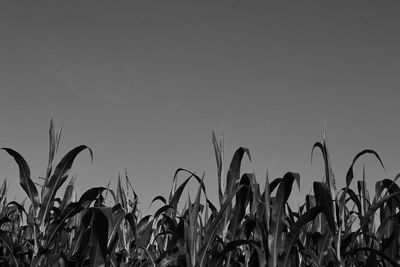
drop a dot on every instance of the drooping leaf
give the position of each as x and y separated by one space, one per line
20 207
90 195
233 175
163 209
160 198
25 177
330 178
350 175
317 145
232 182
176 194
274 184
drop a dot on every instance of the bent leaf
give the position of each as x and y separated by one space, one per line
25 177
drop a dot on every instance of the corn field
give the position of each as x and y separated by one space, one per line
249 226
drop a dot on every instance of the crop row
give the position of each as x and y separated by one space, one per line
250 226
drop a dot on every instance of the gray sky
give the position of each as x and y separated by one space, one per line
144 84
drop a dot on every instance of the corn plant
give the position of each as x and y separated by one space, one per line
250 226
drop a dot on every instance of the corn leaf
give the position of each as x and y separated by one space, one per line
277 219
25 177
242 199
68 194
374 252
160 198
295 229
114 232
193 227
212 227
218 149
231 246
121 196
323 247
8 243
233 175
323 198
100 225
3 194
60 175
72 209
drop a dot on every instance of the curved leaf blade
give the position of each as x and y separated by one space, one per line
295 229
58 178
25 177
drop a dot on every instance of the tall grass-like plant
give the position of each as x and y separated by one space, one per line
250 226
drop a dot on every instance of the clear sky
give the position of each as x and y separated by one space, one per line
144 84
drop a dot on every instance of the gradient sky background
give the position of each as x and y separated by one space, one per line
144 85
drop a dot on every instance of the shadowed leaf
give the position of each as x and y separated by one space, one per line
323 198
100 225
60 175
238 243
7 241
374 252
160 198
350 175
233 175
212 227
72 209
25 177
277 218
295 229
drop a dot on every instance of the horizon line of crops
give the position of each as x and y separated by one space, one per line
250 226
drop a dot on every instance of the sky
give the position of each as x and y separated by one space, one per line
145 84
